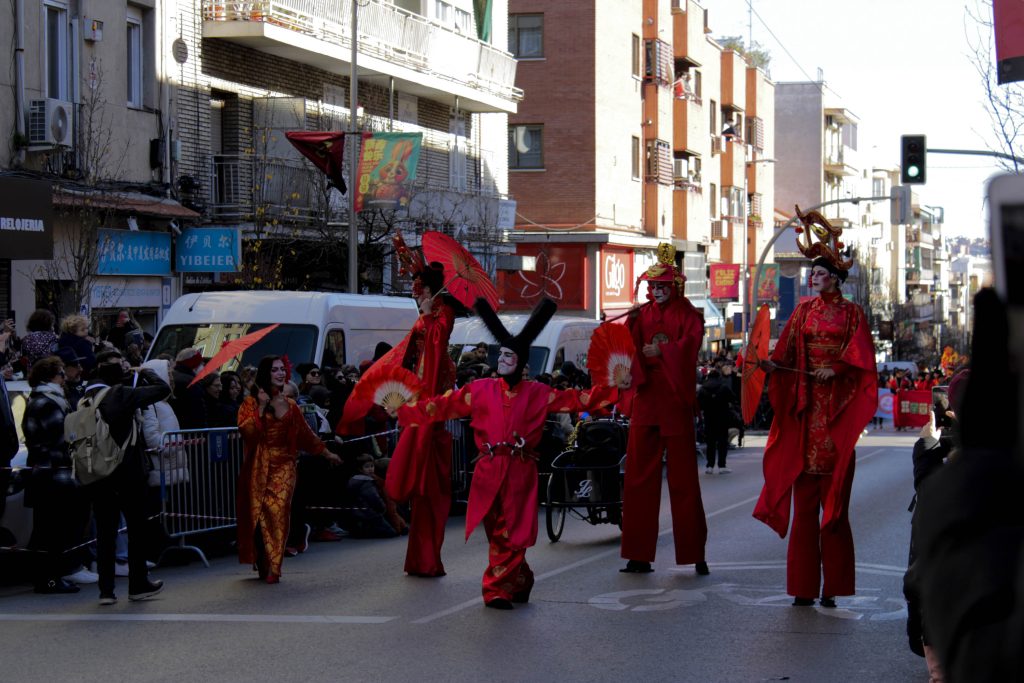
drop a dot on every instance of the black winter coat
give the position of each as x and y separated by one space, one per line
43 425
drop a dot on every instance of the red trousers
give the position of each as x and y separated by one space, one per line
641 499
429 517
813 550
507 572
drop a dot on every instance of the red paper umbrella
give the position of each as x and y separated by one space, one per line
231 349
610 356
465 279
753 375
389 386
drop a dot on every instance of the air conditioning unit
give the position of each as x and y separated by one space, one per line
51 122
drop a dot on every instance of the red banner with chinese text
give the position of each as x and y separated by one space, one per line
911 408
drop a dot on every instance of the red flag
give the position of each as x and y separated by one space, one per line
325 150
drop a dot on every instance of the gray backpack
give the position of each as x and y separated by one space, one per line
94 453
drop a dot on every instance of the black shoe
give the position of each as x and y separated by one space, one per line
149 590
702 568
499 603
107 599
54 586
827 602
520 598
637 567
803 602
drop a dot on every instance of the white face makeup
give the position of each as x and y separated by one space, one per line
507 361
277 374
821 279
661 291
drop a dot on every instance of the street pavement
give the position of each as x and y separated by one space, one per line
345 611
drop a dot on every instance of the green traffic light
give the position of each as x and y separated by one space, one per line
913 171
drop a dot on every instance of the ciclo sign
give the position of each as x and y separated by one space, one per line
616 276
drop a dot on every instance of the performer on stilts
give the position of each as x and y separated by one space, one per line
823 390
420 468
507 416
667 332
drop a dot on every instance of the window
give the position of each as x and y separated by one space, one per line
878 187
525 147
714 118
526 35
713 197
635 154
658 62
755 132
637 56
134 59
659 162
696 83
56 51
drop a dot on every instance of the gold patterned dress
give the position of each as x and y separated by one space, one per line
267 481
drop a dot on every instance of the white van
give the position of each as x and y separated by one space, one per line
565 338
324 328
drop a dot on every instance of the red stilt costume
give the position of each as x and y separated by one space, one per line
507 416
661 421
420 469
809 456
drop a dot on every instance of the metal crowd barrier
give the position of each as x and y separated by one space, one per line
199 483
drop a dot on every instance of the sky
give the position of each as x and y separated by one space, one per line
901 67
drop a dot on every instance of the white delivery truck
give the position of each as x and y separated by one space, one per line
565 338
325 328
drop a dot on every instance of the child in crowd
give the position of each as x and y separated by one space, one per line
368 519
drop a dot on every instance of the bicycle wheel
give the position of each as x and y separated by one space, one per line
554 515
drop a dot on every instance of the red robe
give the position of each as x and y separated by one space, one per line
500 415
664 388
266 481
817 424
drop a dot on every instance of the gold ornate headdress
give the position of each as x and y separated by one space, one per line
664 270
825 243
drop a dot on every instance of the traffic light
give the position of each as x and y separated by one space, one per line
913 154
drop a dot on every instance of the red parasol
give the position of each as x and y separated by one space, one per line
753 375
230 349
466 279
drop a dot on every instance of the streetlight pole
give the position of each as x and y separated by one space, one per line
354 146
744 278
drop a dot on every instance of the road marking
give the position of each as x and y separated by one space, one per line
475 602
209 618
657 600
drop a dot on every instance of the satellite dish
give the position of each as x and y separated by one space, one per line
180 50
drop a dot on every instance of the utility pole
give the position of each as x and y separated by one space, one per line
353 149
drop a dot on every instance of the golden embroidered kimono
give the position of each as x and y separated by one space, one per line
267 478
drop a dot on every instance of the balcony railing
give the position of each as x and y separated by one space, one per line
387 32
245 188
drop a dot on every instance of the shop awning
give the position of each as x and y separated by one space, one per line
123 202
712 314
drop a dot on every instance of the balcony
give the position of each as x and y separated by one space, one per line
838 167
425 58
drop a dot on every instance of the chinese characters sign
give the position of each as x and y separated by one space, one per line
128 252
387 169
208 250
725 281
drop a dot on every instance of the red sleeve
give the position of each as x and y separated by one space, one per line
250 424
449 406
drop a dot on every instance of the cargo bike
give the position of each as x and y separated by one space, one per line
586 479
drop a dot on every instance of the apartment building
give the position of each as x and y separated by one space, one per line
620 144
817 167
192 123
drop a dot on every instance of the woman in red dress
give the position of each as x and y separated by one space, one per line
823 390
273 431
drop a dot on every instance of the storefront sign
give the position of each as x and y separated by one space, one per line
725 281
26 219
130 292
130 252
387 169
560 275
616 277
208 250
